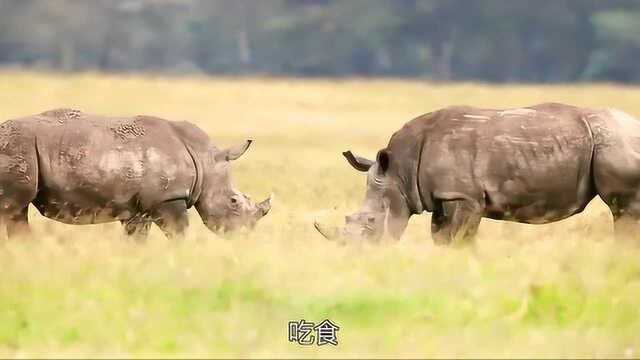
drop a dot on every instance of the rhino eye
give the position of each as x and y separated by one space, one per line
234 200
371 219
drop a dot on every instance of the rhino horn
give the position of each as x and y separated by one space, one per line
329 234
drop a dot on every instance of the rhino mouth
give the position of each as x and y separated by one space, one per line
229 227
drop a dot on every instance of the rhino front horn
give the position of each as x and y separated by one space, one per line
329 234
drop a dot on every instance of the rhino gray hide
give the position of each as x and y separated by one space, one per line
87 169
534 165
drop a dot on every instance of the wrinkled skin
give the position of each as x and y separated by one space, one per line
384 203
78 168
223 208
533 165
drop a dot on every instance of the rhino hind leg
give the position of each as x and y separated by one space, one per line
626 219
18 224
623 201
171 217
14 209
455 222
18 177
627 228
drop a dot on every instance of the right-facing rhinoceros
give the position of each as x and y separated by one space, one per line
86 169
535 165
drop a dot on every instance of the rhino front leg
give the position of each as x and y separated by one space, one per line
455 222
18 224
171 217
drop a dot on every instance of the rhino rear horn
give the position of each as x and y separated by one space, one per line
359 163
233 152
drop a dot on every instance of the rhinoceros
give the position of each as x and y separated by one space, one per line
535 165
79 168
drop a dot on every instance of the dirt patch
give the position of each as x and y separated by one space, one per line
63 115
8 133
19 166
127 130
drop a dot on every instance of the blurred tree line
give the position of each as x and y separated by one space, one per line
491 40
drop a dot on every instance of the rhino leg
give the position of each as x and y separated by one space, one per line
136 229
455 222
626 220
171 218
18 224
626 228
623 200
14 210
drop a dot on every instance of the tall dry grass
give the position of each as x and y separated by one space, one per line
565 289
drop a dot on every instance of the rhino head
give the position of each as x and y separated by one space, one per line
384 207
221 206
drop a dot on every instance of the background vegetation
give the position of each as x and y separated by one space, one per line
560 290
492 40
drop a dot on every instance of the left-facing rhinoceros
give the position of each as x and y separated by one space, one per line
535 165
86 169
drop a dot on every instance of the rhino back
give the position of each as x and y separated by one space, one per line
529 164
89 162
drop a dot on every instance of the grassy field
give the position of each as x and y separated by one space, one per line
560 290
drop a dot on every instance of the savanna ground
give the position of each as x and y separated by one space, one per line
560 290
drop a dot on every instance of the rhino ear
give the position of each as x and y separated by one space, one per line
234 152
383 159
359 163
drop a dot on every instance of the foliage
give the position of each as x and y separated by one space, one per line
492 40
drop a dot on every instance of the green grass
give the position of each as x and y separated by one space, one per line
560 290
218 298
